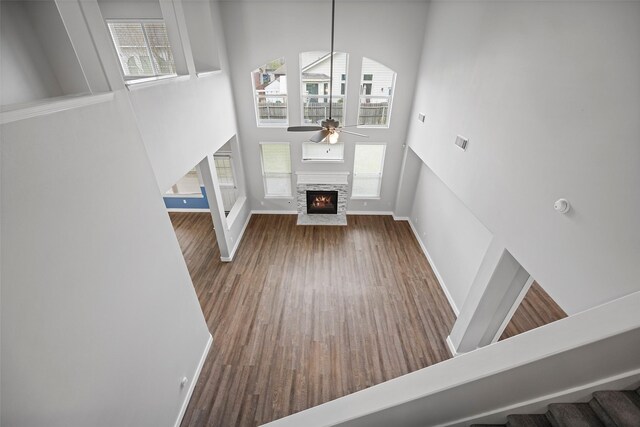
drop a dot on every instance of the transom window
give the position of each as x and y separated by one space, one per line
270 93
143 48
315 71
376 94
313 152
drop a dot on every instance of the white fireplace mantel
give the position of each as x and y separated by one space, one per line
308 177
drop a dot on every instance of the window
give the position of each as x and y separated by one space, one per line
270 93
367 171
224 170
276 169
315 71
376 93
313 152
143 48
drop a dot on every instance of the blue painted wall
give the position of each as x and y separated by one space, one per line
187 202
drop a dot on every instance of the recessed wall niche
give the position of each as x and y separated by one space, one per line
38 60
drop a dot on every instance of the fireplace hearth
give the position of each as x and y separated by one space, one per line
322 202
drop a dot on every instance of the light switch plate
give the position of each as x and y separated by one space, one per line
421 117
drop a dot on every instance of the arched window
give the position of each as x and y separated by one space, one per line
270 93
376 93
315 70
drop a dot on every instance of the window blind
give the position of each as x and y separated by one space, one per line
276 169
367 170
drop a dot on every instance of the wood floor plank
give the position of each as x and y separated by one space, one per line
307 314
536 309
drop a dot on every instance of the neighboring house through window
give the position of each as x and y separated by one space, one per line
143 48
315 71
276 169
368 164
270 93
376 94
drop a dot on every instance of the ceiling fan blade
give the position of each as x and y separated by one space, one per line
318 137
353 133
303 128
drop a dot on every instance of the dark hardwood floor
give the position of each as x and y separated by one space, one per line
536 309
307 314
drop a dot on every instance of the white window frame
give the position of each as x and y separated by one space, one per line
362 96
226 156
320 159
304 95
264 176
368 175
141 77
256 96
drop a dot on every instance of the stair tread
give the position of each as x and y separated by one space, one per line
528 420
573 415
621 407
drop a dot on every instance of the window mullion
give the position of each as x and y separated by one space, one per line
156 71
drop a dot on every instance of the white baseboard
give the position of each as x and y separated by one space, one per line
267 212
435 270
194 381
401 218
370 213
186 210
235 247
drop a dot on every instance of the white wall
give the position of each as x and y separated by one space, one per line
122 9
389 33
26 73
455 240
99 317
182 122
549 95
202 34
57 48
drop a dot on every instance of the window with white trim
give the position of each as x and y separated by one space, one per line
315 72
224 170
270 93
143 48
313 152
226 179
376 94
368 164
276 169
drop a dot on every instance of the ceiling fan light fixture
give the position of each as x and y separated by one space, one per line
329 129
332 138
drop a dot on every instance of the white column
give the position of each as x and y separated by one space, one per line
207 171
86 29
176 35
494 291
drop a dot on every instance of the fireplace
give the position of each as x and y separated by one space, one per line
322 202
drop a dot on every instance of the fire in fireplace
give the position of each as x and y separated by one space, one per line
322 202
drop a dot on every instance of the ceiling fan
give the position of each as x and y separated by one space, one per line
329 129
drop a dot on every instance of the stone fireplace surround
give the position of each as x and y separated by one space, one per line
322 181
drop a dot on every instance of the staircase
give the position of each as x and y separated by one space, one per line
605 409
